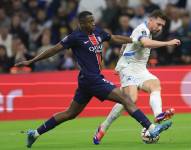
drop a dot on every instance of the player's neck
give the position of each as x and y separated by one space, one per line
85 31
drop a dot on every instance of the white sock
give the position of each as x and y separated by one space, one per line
156 102
113 115
36 134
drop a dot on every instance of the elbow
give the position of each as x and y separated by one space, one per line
145 45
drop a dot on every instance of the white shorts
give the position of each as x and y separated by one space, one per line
133 75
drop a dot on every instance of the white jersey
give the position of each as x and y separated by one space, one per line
135 52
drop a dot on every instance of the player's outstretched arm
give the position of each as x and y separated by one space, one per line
148 43
45 54
119 39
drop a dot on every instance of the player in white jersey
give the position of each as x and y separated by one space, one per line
133 73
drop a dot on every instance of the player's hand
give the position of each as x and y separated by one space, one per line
24 63
174 42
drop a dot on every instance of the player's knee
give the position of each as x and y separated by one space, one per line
155 86
132 97
129 101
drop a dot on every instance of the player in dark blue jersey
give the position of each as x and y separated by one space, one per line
86 44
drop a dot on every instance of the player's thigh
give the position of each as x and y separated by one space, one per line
116 95
131 91
151 85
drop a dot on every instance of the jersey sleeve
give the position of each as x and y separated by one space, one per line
68 41
138 34
105 36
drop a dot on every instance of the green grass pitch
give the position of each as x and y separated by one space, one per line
77 135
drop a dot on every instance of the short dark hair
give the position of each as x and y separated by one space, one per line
83 15
160 14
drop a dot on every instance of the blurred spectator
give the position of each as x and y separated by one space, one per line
149 6
42 20
21 54
163 3
124 27
6 39
184 32
110 15
67 62
61 25
95 6
16 7
25 20
50 63
4 19
32 7
34 34
139 17
181 3
5 62
176 21
124 8
17 30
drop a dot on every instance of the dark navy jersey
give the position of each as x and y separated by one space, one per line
87 49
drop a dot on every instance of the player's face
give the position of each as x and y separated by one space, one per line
88 24
157 25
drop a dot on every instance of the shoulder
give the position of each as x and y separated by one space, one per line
142 29
98 30
72 36
76 33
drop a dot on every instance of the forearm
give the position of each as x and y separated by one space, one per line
147 43
47 53
118 39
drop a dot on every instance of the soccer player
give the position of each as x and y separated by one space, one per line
86 44
134 74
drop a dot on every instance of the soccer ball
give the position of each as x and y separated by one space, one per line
146 138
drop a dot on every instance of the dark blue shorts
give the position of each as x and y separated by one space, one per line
92 86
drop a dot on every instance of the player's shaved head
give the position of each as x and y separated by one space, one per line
86 21
82 16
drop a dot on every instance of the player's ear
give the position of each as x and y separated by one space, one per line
151 19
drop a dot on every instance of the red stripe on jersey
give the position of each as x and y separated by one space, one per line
99 59
93 39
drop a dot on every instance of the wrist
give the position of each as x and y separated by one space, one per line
167 43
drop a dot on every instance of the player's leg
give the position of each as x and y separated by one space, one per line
137 114
117 96
118 108
128 87
74 109
153 87
80 101
115 112
104 89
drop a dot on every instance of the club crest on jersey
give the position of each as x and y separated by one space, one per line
144 33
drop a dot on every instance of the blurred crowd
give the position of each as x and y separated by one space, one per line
28 27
